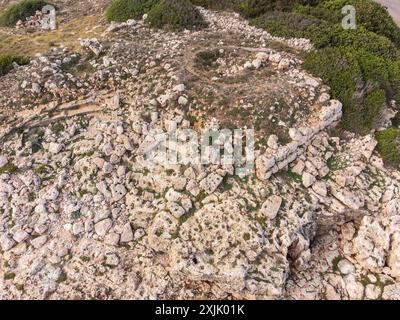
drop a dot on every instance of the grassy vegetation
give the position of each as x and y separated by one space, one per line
168 14
362 66
123 10
20 11
389 146
175 15
7 60
29 44
217 4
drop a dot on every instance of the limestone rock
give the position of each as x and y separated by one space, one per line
271 207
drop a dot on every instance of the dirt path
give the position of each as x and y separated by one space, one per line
393 8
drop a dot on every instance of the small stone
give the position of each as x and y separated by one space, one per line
211 183
127 233
273 142
112 259
99 162
320 188
20 236
112 239
256 63
183 101
346 267
118 192
55 147
372 292
6 243
248 65
39 242
299 168
78 228
176 209
263 56
179 88
271 207
284 64
308 179
3 161
107 168
52 194
101 228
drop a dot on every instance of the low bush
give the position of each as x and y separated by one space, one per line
6 62
388 146
340 70
217 4
396 120
123 10
255 8
370 15
362 66
20 11
175 15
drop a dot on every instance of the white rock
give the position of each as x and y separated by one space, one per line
101 228
6 243
112 259
211 183
78 228
248 65
271 207
39 242
20 236
3 161
310 81
276 57
118 192
55 147
52 194
320 188
179 88
284 64
175 209
127 233
183 101
273 142
112 239
372 292
308 179
346 267
256 63
393 208
263 56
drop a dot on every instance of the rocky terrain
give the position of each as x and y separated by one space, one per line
85 215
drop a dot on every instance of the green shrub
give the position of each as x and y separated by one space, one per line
362 66
123 10
388 146
289 24
217 4
394 79
255 8
372 107
6 62
175 15
396 120
20 11
339 69
374 68
364 40
370 15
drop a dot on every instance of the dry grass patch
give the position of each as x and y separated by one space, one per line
67 35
